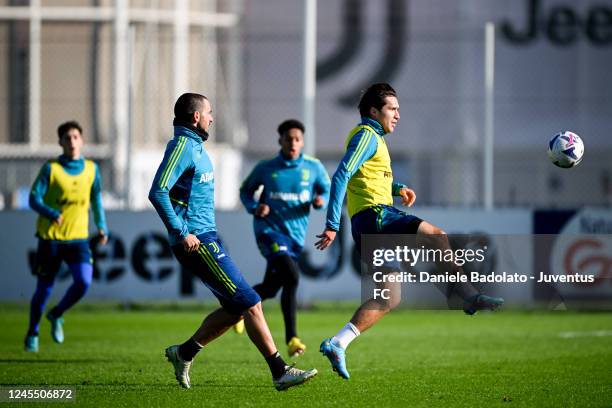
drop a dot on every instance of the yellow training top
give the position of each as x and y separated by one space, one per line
372 183
69 194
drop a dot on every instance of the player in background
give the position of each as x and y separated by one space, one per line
365 171
183 195
61 195
292 183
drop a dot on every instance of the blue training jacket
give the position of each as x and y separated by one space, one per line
184 186
289 186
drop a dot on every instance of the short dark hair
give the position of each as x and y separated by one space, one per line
187 104
374 97
284 127
66 126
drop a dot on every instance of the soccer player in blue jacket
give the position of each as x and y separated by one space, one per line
183 195
61 195
292 183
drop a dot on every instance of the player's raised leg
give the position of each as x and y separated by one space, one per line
433 237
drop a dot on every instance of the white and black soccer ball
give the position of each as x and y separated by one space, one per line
566 149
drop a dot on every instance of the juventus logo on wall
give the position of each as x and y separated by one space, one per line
353 37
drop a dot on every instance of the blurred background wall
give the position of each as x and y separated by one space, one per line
117 66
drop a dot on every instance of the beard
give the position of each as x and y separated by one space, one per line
197 128
200 128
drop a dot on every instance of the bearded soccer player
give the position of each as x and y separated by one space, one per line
292 182
183 195
365 175
61 195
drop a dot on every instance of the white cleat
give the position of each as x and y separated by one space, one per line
293 376
181 367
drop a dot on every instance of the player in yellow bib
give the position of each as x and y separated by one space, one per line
61 195
365 176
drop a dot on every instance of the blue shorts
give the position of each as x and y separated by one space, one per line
382 219
272 244
51 254
216 269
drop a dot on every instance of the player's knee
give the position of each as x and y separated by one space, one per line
44 286
82 284
291 275
82 275
436 232
83 281
392 303
441 239
45 291
292 280
386 305
253 311
434 237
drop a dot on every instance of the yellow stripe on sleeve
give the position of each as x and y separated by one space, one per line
363 143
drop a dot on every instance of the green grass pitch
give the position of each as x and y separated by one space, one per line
411 358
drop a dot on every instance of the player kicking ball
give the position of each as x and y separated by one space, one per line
292 183
183 195
365 171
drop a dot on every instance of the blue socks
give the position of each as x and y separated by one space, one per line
82 275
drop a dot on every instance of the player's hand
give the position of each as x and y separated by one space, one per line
102 237
318 202
59 220
408 196
262 210
191 243
327 237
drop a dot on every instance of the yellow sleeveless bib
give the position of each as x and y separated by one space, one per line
372 183
71 196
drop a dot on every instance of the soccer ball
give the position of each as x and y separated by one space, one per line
565 149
